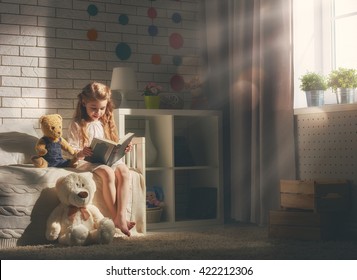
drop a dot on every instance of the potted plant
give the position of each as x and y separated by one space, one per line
343 82
314 85
151 95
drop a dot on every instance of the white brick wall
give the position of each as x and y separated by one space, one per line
46 58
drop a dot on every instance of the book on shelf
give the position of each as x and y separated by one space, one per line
108 152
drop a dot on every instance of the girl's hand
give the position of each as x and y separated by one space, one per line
129 147
86 152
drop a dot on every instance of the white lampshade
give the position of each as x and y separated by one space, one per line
124 81
123 78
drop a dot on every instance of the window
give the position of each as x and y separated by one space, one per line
324 39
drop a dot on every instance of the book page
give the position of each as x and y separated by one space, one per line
125 140
108 152
119 150
117 153
101 151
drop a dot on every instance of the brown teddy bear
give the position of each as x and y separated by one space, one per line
49 147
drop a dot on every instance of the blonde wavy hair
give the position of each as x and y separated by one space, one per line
96 92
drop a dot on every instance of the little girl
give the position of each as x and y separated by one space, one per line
94 118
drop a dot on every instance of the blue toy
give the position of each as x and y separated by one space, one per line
154 197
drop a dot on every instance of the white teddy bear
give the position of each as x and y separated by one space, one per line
76 221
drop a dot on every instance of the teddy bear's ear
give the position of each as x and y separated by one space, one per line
58 116
41 119
60 182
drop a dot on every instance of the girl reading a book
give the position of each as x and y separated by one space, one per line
94 118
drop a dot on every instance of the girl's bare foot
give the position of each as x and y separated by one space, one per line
130 224
123 225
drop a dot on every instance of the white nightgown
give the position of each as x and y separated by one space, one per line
94 129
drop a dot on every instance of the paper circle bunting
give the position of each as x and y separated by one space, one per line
176 41
176 18
156 59
123 19
153 30
92 34
123 51
152 13
177 60
177 82
92 10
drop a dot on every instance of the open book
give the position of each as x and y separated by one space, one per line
108 152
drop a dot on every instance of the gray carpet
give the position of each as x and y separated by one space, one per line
246 242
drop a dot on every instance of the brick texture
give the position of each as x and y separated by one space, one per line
46 55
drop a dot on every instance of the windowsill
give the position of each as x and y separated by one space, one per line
326 108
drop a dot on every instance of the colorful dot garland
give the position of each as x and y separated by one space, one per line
177 82
176 42
123 19
92 10
123 50
152 13
177 60
156 59
153 31
176 18
92 33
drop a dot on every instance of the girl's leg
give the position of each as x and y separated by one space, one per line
122 174
109 190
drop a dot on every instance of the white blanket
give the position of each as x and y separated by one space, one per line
27 197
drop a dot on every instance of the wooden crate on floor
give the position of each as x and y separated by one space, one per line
318 195
306 225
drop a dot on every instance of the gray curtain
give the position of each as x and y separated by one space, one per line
249 54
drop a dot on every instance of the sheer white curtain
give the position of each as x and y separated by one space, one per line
249 48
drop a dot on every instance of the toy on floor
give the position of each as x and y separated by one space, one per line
154 197
49 147
76 221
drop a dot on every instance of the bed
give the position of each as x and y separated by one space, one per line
27 194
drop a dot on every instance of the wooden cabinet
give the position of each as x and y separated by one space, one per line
188 163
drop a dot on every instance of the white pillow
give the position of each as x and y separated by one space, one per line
17 144
22 127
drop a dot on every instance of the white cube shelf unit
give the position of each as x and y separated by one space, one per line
188 166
